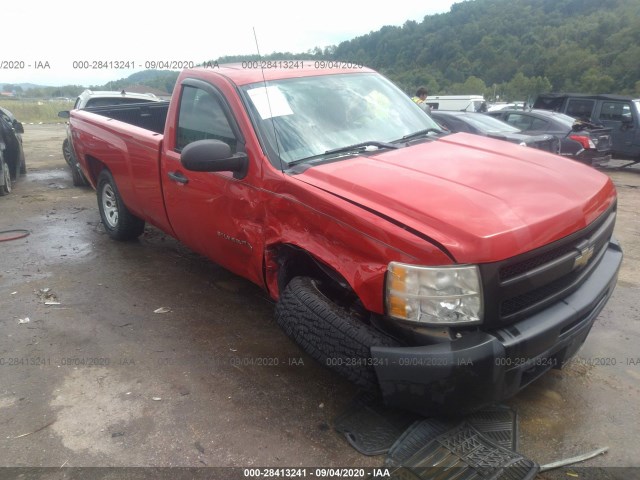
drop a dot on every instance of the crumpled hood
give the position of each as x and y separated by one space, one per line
483 200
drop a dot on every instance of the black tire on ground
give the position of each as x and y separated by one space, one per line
79 180
23 163
66 151
14 167
118 221
328 332
5 188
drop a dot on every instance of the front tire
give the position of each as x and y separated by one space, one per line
329 333
118 221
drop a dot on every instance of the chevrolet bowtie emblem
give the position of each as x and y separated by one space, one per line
584 257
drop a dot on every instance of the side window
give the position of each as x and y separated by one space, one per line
579 108
519 121
538 124
201 117
615 111
459 126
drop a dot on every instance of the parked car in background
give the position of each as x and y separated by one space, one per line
90 99
619 113
505 106
579 141
467 103
481 124
12 161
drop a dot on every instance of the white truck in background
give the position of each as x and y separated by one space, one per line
465 103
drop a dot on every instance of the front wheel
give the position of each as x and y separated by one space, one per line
329 333
118 221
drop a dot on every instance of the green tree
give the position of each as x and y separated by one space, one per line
472 86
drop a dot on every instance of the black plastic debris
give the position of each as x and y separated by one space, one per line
460 453
499 424
370 427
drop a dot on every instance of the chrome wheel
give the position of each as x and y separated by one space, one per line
110 205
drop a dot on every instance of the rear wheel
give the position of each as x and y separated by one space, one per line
118 221
79 180
328 332
23 164
66 151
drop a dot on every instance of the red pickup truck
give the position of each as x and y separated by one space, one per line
445 271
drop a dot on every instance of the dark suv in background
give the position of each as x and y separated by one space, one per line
620 113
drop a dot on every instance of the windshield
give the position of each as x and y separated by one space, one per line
486 123
311 116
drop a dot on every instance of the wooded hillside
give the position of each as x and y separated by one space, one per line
511 47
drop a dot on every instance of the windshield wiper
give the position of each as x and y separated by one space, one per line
420 133
361 146
356 147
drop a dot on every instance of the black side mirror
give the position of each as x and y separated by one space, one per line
64 114
214 156
17 126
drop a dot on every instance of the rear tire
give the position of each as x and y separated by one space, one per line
66 151
329 333
23 163
118 221
79 180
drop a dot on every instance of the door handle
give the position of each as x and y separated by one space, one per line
178 177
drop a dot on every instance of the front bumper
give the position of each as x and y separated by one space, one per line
481 368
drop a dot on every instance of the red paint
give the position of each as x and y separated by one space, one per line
478 199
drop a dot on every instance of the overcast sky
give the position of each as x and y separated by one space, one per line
36 32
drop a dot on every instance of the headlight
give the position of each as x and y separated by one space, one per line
450 295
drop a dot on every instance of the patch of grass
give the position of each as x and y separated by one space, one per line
36 111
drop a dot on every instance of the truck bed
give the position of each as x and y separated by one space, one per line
129 136
148 115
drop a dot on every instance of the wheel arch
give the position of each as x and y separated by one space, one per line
285 261
94 167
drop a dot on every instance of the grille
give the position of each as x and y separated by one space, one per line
533 297
528 283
